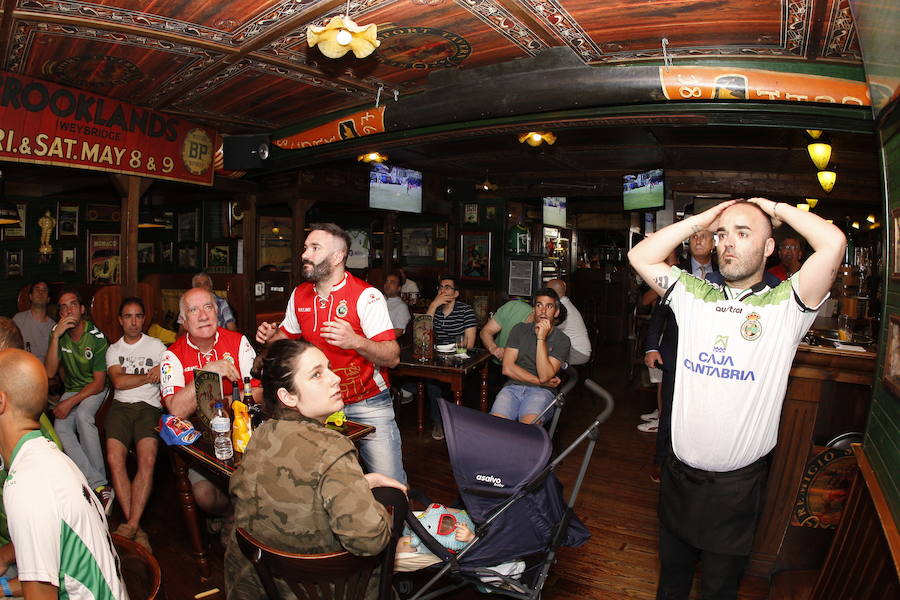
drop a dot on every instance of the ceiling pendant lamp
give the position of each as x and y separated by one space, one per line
342 35
370 157
536 138
820 153
827 178
812 202
814 133
486 185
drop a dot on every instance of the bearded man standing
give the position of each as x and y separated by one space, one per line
348 320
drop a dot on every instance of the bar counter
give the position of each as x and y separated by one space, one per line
829 392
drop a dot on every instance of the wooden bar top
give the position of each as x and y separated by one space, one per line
834 364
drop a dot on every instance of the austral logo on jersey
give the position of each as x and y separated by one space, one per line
718 364
422 48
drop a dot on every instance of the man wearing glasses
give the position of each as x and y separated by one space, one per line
451 319
790 251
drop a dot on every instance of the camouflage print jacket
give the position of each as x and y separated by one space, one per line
300 488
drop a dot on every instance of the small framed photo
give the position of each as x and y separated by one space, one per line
890 375
470 214
16 232
146 253
218 258
440 254
895 243
475 255
66 220
103 258
187 256
67 257
167 253
12 263
440 231
490 214
187 226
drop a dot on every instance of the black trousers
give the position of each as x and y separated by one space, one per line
664 429
711 518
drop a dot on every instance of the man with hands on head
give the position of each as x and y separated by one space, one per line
77 350
348 320
532 358
208 347
736 345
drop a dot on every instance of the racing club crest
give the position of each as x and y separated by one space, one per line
342 309
751 329
88 353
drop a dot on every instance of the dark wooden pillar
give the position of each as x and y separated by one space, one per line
250 231
387 245
130 188
299 208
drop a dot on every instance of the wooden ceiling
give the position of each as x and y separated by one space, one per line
243 66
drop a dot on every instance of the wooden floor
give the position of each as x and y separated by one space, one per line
617 503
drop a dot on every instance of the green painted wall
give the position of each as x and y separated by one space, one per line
882 443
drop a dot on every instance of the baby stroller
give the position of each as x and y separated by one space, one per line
506 481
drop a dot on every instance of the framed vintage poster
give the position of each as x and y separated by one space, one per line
104 213
66 220
67 257
440 254
890 375
895 243
187 256
218 258
475 255
470 214
416 241
16 232
187 226
12 264
103 258
146 253
167 253
521 278
440 231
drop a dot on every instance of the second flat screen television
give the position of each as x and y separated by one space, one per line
644 191
395 188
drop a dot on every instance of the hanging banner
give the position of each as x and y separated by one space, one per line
365 122
729 83
42 122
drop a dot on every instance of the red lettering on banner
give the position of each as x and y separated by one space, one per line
42 122
365 122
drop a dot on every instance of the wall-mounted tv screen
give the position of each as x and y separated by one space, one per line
555 211
395 188
644 191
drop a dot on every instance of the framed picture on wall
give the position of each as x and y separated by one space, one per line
440 231
440 254
416 241
218 258
66 220
475 255
890 375
187 226
103 258
16 232
67 257
187 256
470 214
12 264
146 253
167 253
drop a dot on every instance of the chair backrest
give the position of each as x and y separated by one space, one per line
331 576
140 570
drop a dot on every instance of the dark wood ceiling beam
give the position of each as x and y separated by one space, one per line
817 25
280 30
6 23
542 31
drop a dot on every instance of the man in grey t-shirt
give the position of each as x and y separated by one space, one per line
534 354
34 324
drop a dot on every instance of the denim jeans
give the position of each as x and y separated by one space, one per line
516 400
81 440
381 451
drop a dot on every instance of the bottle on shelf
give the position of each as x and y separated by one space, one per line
221 426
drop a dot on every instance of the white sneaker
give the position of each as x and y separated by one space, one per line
649 426
650 416
406 397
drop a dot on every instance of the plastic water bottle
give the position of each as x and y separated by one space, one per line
221 426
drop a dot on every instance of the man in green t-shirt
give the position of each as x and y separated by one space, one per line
78 350
496 331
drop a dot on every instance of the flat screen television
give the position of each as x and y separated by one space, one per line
644 191
555 211
395 188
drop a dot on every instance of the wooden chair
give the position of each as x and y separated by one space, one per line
308 574
140 570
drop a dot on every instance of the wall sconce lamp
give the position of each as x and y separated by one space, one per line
819 152
855 224
341 35
802 206
536 138
370 157
814 133
827 178
871 219
812 202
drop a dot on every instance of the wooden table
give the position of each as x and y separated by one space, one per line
200 457
446 368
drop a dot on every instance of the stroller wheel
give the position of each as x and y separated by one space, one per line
404 586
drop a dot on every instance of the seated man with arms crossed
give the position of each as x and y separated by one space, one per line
133 367
533 356
208 347
62 546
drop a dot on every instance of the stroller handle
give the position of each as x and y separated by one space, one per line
571 379
607 398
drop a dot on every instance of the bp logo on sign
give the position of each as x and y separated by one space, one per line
196 151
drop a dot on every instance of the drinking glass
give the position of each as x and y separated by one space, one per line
461 345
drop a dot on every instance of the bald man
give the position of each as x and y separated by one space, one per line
573 326
736 344
64 537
